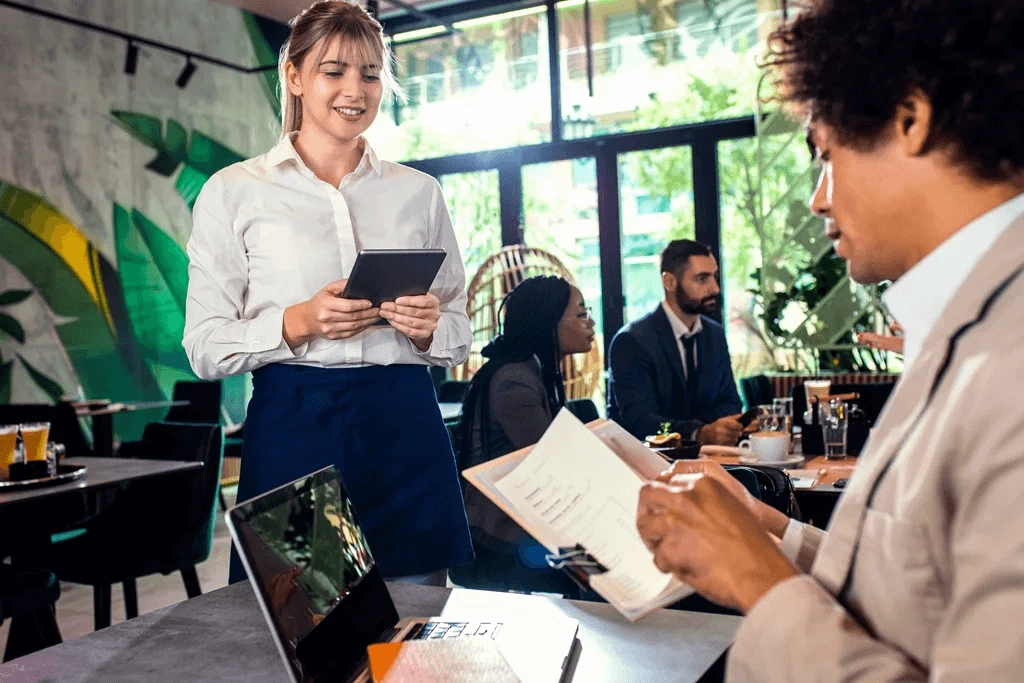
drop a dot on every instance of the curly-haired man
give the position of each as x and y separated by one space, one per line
915 111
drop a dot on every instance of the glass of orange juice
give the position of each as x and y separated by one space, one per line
34 437
8 444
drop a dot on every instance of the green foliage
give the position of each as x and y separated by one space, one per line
197 155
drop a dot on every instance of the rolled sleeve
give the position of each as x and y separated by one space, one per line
800 544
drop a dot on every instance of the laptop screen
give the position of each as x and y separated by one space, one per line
318 584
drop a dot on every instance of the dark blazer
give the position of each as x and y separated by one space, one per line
645 381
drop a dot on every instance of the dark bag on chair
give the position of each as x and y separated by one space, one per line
774 487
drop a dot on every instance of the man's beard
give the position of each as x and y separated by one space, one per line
706 306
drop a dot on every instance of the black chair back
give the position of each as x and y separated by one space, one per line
194 505
204 399
64 425
452 391
584 409
757 391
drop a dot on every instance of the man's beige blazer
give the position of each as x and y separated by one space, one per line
921 574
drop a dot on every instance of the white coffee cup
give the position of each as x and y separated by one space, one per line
767 446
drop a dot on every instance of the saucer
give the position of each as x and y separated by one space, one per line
751 459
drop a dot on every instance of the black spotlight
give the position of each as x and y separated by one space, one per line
186 74
131 59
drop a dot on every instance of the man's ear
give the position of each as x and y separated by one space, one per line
912 124
669 282
292 79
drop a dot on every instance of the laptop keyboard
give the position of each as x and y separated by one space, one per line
436 630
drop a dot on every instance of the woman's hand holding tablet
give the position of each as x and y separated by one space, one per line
328 315
414 316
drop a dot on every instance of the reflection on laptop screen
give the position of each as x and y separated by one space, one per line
306 554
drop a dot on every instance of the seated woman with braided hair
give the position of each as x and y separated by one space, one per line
511 402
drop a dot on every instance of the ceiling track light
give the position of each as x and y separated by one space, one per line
131 59
186 74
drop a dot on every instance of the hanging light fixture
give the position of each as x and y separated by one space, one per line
131 58
186 74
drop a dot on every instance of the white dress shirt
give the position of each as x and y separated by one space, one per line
268 234
680 330
918 299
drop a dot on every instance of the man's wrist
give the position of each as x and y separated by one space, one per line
773 521
757 584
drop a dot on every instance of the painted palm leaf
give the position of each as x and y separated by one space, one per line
49 386
80 286
267 38
168 256
157 316
198 155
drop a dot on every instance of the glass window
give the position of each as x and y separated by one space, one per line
560 217
485 87
789 302
473 202
656 206
660 62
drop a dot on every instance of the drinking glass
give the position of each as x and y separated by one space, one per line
8 444
770 418
812 388
833 419
34 437
784 408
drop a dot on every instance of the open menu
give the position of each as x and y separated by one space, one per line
580 484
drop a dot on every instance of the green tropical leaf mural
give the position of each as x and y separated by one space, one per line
49 386
12 328
267 38
80 286
157 316
200 155
14 296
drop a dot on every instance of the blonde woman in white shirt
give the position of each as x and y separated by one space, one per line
273 240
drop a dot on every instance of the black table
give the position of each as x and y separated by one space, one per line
29 514
221 636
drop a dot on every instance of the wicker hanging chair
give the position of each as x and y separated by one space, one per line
498 276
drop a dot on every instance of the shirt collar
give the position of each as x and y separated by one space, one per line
679 328
918 299
284 151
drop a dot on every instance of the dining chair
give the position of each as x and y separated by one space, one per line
152 528
28 599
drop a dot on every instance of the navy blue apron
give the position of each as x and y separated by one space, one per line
382 428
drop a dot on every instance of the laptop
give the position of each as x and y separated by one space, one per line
325 599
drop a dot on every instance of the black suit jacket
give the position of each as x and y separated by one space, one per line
645 383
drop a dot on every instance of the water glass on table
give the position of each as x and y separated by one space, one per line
834 422
771 418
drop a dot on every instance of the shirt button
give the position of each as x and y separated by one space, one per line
255 344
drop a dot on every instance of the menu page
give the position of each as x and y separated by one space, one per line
573 489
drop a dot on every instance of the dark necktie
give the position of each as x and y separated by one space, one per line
690 388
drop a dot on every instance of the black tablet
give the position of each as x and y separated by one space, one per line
381 275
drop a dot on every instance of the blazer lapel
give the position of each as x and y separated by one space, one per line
907 402
669 345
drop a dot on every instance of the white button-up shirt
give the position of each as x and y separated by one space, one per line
268 234
680 330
